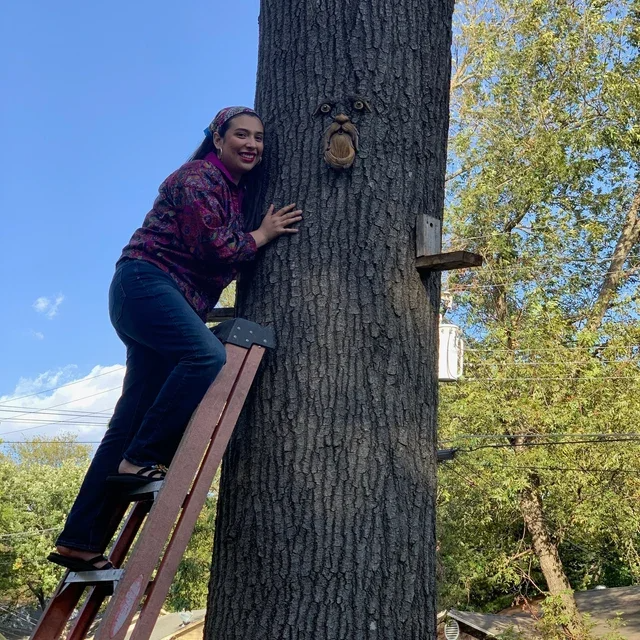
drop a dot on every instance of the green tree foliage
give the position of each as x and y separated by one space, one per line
228 296
544 183
39 480
38 483
189 588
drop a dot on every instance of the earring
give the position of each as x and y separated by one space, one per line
218 152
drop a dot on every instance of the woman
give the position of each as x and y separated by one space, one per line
169 276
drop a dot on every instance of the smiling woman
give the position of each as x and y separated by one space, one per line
190 246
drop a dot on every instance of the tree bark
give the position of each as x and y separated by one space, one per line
326 522
629 237
550 563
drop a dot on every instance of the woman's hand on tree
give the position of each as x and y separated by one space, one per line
277 223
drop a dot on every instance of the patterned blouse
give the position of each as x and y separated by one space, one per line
194 232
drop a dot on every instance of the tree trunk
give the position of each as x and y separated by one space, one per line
547 552
39 594
326 523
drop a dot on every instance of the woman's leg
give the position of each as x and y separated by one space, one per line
157 315
88 525
172 360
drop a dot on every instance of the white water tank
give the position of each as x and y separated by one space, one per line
451 353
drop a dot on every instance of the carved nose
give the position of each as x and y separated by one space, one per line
341 119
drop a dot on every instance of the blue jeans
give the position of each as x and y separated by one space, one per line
172 359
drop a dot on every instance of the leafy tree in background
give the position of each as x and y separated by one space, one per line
38 483
543 181
39 480
189 588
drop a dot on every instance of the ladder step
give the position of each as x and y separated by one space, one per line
141 494
94 577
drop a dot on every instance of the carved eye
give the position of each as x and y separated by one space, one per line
324 108
358 105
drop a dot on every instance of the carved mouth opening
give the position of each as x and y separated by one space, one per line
341 145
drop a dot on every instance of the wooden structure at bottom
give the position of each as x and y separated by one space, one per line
164 511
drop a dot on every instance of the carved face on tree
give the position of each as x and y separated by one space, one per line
340 140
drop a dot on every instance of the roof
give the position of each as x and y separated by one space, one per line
171 623
493 624
601 604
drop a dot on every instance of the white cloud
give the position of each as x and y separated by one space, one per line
41 304
61 402
47 306
36 335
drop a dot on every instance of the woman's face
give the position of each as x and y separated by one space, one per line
242 145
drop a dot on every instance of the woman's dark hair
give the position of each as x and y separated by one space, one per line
205 148
251 183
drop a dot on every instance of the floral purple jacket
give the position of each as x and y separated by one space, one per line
194 232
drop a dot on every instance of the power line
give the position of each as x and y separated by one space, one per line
565 378
545 264
21 616
490 465
553 349
39 442
62 404
61 421
71 412
582 469
522 282
33 532
549 364
549 444
550 233
526 279
48 421
499 436
62 386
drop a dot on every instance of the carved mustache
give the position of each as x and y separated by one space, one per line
340 144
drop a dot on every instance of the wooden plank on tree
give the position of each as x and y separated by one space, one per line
428 236
448 261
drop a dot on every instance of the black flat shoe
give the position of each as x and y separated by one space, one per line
138 479
76 564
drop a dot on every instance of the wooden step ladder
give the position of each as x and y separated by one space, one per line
162 511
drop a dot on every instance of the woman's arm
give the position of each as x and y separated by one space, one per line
207 228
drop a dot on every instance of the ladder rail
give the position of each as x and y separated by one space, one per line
59 609
193 504
160 524
166 507
98 593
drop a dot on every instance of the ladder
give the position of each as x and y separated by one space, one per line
161 511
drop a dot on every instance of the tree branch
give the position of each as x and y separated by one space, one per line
629 236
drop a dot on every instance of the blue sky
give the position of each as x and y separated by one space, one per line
101 101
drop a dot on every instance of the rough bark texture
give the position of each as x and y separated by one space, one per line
550 563
326 524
